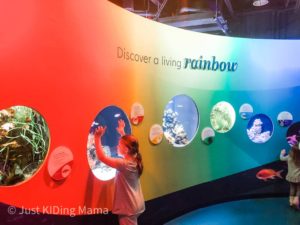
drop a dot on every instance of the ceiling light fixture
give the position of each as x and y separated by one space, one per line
260 2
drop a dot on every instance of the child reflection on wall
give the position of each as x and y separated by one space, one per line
256 134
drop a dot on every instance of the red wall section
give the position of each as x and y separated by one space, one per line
57 58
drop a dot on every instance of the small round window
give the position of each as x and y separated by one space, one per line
222 117
108 117
180 120
24 142
246 111
260 128
285 119
207 135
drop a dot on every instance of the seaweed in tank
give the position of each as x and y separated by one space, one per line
222 117
24 141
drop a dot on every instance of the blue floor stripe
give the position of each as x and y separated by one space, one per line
265 211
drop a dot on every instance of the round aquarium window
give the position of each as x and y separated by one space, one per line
207 135
260 128
137 113
285 119
156 134
293 134
180 120
24 142
246 111
109 117
222 117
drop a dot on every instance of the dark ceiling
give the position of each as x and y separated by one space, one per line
279 19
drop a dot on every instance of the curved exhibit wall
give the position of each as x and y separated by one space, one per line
71 59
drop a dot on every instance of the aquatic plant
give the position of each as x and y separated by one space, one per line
24 141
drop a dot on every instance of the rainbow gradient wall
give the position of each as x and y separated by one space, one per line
61 58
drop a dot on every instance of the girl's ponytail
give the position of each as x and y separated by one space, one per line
133 149
139 161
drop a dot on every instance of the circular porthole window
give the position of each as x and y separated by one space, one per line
293 134
137 113
222 117
156 134
260 128
24 142
246 111
180 120
207 135
285 119
109 117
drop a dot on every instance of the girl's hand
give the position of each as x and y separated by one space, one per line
121 127
283 152
100 131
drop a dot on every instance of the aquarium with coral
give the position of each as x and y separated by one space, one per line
109 118
293 134
180 120
24 142
222 117
260 128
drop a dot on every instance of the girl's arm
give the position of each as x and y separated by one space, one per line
110 161
283 156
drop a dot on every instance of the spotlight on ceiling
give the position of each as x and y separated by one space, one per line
260 2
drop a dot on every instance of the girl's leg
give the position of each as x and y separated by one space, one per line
293 193
296 199
128 220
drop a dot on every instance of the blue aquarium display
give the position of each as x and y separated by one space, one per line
222 117
285 119
180 120
246 111
109 118
293 134
260 128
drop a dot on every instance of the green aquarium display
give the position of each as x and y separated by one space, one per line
24 142
222 117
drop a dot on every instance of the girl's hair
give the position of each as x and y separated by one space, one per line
133 149
295 154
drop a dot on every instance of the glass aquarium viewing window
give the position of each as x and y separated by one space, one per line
24 142
285 119
260 128
108 117
246 111
222 117
180 120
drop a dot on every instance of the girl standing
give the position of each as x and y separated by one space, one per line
128 198
293 175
